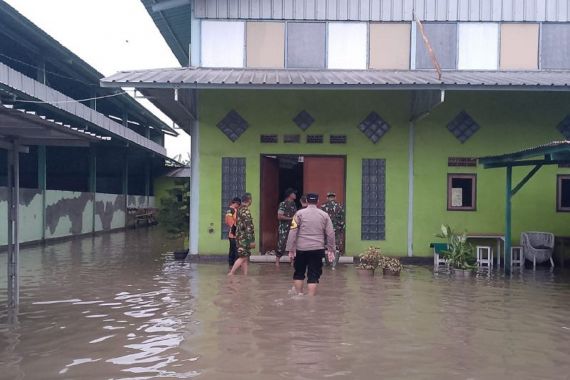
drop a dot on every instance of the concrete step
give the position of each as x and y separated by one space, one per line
285 259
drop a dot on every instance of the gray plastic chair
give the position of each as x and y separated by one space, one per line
538 247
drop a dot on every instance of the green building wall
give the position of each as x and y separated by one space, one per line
509 121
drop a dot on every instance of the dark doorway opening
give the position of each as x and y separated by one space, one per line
318 174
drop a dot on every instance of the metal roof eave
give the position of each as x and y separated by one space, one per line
553 153
280 86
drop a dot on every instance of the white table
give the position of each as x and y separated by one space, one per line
491 236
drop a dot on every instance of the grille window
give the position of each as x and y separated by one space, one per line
292 139
269 139
314 139
337 139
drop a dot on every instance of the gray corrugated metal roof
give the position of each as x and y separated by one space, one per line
386 10
188 77
552 148
174 25
183 172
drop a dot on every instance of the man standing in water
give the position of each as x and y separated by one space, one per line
336 213
245 235
231 222
311 233
285 213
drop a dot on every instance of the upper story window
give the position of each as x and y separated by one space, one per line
222 43
555 46
306 45
265 45
390 46
478 46
347 45
519 47
443 40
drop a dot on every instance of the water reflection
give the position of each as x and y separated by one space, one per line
116 307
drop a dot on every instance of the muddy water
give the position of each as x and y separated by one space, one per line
115 307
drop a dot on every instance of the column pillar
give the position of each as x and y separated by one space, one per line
42 183
194 187
13 225
508 226
93 181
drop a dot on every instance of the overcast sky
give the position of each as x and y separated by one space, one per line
110 35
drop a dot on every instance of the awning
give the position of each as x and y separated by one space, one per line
552 153
203 78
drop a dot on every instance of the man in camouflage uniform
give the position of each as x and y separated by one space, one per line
285 213
336 213
245 235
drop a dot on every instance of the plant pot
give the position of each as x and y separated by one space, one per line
365 272
463 272
389 272
180 255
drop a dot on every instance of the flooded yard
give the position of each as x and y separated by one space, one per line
116 307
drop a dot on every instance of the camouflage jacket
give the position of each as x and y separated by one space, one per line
336 213
287 209
245 232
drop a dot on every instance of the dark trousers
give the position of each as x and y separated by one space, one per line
311 263
233 253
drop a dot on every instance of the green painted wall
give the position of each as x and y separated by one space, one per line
509 122
335 113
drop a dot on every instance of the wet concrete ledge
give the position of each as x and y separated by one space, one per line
271 259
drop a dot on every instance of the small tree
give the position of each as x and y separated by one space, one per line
175 209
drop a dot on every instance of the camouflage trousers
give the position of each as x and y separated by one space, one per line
339 243
283 234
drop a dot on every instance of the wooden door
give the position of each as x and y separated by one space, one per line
269 203
324 174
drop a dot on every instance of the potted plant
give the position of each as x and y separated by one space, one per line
391 266
369 261
459 253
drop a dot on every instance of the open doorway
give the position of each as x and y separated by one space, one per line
318 174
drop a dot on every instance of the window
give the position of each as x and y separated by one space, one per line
390 46
266 44
563 193
461 192
478 46
347 45
443 40
306 45
555 48
222 43
519 46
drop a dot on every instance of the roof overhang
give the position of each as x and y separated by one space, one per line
288 79
553 153
30 129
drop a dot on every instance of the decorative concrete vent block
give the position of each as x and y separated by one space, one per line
463 127
303 120
374 127
233 125
292 139
269 139
337 139
564 127
314 139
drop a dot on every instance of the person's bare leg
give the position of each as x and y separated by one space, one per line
298 286
277 260
245 266
237 264
312 289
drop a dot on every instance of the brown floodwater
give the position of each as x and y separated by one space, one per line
117 307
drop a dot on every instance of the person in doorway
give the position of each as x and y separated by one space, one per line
311 235
303 201
285 213
245 235
231 221
336 213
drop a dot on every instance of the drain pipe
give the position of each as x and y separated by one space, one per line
411 137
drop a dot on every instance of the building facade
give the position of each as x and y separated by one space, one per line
70 188
345 96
